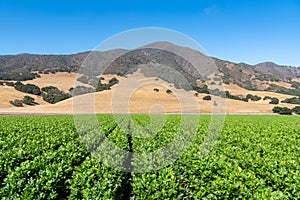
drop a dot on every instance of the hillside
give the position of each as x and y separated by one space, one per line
156 63
278 71
143 100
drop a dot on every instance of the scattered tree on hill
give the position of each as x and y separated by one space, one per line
274 100
215 103
28 100
253 97
17 103
227 82
295 84
267 98
283 90
156 90
245 99
53 95
204 89
296 110
282 110
230 96
207 98
276 109
79 90
103 86
11 84
293 100
217 92
28 88
169 91
113 81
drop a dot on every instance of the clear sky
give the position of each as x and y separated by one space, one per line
237 30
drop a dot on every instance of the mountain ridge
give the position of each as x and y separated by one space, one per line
251 77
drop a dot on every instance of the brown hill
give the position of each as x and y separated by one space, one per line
135 94
168 67
278 71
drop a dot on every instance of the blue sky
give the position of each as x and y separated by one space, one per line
240 30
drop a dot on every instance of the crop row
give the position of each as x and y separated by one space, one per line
50 157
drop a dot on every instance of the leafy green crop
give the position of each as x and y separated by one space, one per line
46 158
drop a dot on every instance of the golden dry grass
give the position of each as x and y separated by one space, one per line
135 94
296 79
62 80
8 93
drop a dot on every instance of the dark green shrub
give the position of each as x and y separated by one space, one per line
276 109
169 91
53 94
249 96
203 89
293 100
101 87
285 111
283 90
227 82
296 110
245 99
295 84
253 97
156 90
217 92
274 100
207 98
28 88
17 103
79 90
267 98
282 110
12 84
49 89
28 100
113 81
230 96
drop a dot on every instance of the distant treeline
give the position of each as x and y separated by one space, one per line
286 111
52 94
24 76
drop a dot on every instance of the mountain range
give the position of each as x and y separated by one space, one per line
21 63
192 65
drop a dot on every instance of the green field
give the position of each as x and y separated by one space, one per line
255 157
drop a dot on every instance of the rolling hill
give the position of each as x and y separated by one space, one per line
191 75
